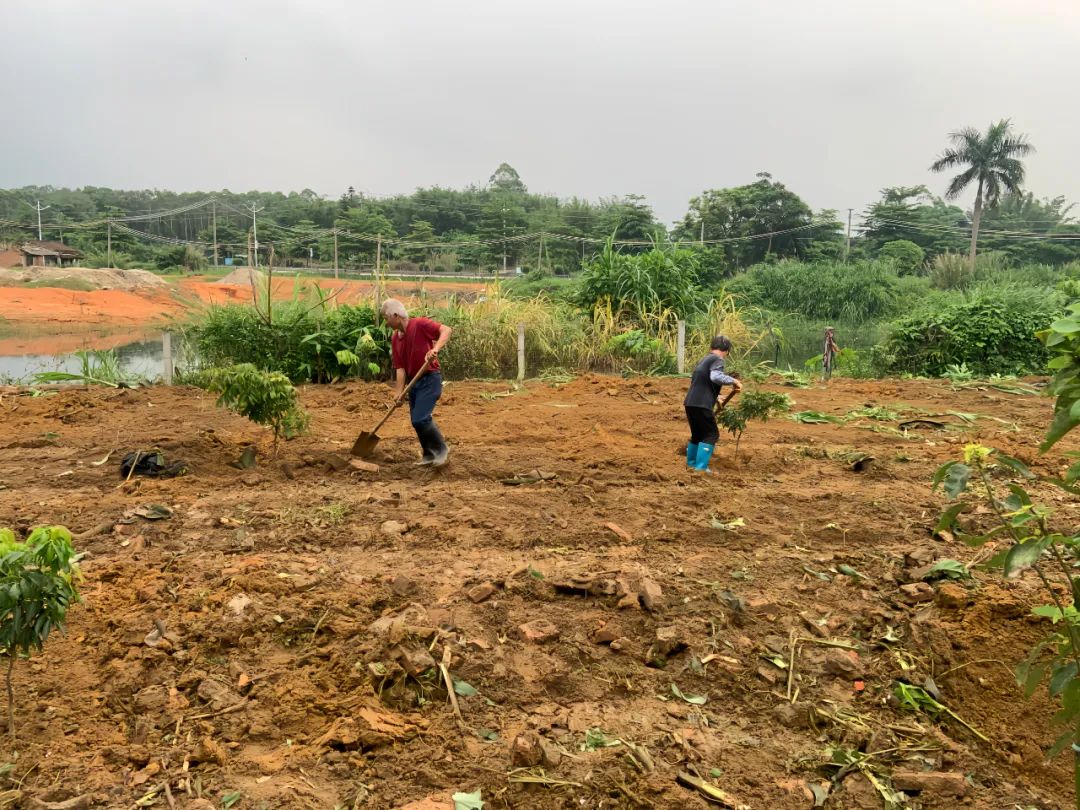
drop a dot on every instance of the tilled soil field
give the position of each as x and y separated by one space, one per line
276 637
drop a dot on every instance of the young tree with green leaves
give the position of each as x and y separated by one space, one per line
37 586
991 160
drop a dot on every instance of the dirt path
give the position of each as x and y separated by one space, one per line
302 611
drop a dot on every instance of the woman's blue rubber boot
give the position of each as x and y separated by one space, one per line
704 453
691 454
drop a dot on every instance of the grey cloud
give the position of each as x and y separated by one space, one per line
836 98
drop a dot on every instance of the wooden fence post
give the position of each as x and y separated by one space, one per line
166 358
680 351
521 351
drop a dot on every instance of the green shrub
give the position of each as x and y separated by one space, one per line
849 363
265 397
562 290
305 343
906 255
990 329
853 293
639 352
1070 288
638 286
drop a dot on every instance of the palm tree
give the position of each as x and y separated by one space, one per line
993 159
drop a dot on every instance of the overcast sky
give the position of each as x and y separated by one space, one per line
836 98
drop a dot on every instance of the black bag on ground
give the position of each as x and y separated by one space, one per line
150 463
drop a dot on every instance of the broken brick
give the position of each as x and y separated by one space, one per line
481 592
538 631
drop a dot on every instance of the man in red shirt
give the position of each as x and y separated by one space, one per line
416 342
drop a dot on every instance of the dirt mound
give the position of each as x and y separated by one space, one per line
87 277
614 631
245 276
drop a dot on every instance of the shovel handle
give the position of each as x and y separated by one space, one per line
727 399
397 402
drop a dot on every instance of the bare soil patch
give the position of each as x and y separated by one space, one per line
280 632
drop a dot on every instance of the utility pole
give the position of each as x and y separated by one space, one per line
847 246
335 254
108 241
38 207
540 252
378 280
255 230
504 243
702 242
213 216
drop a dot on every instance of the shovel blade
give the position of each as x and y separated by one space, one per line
365 444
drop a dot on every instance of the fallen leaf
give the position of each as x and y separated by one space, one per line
820 793
729 526
464 689
468 801
696 700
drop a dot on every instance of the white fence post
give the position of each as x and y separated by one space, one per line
521 351
166 358
680 350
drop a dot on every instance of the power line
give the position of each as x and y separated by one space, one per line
960 230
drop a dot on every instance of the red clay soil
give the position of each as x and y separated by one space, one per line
278 634
63 309
52 320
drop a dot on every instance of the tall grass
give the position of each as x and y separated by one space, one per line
95 368
484 341
952 271
853 293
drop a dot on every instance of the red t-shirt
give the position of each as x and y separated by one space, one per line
407 349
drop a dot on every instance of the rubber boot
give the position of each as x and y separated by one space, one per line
704 453
433 440
691 454
423 434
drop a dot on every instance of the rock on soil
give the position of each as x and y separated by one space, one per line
525 751
952 596
538 631
481 592
935 782
216 694
917 592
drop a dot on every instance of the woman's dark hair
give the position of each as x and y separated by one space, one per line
720 342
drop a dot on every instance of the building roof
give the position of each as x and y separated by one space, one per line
59 249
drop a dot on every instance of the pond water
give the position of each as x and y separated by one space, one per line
141 359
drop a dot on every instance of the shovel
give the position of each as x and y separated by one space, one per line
728 398
366 442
